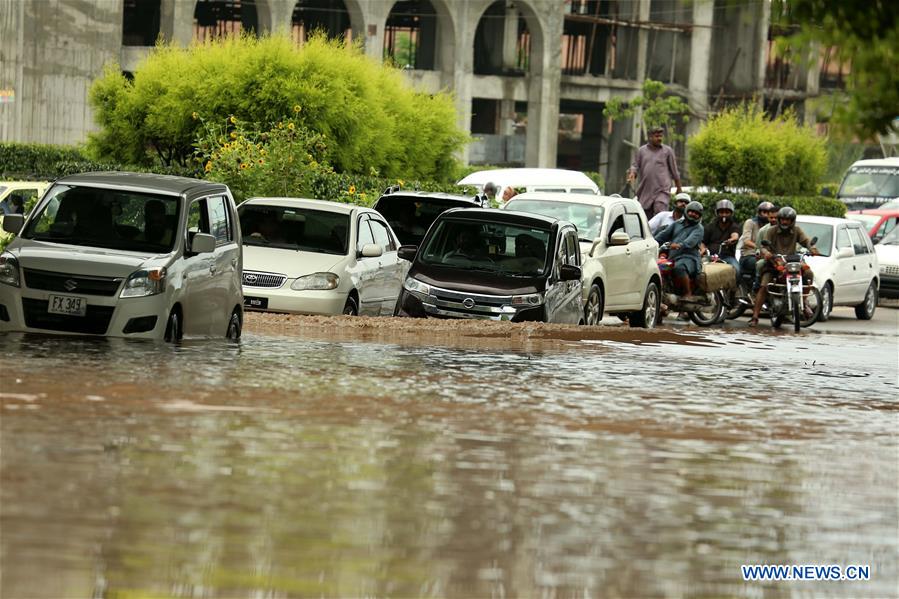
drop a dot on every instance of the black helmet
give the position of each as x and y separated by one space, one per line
724 205
786 213
693 206
765 206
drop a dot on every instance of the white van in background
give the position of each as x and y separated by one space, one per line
534 179
870 184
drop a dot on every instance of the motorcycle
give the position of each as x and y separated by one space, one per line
705 311
789 298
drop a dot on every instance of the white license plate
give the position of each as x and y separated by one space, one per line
68 305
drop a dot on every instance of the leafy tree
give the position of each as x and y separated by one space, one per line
659 109
864 33
365 112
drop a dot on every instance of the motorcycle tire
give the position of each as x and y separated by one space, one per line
816 303
796 310
713 315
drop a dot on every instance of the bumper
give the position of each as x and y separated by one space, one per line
285 299
418 307
889 287
25 310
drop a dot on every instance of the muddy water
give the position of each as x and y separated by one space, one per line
343 464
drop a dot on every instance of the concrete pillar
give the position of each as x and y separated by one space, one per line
374 16
281 15
510 37
176 21
643 11
462 71
812 84
544 88
506 117
761 53
700 62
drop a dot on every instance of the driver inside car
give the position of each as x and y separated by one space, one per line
467 246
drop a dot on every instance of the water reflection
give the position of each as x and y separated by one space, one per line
287 467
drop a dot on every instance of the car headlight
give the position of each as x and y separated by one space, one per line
415 286
9 269
532 299
318 281
144 282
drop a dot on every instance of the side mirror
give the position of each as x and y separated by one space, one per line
12 223
619 237
845 253
202 243
814 241
407 252
567 272
371 250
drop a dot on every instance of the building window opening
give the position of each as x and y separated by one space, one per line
222 18
140 22
410 35
328 16
502 42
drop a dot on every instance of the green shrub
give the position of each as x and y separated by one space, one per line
741 148
368 116
745 204
35 161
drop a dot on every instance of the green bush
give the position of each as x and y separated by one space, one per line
741 148
367 115
746 204
36 162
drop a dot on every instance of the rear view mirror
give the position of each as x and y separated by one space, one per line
12 223
202 243
846 252
371 250
407 252
567 272
619 237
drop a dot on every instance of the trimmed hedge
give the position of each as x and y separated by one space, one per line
36 162
746 204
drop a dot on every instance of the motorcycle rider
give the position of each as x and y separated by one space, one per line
747 245
666 218
783 239
721 235
685 236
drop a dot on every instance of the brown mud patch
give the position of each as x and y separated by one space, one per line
479 334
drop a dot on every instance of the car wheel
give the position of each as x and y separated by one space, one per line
648 316
173 329
351 308
865 310
826 301
234 327
594 308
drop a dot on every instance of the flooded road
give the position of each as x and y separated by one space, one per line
360 464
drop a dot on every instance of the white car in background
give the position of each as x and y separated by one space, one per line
316 257
620 272
847 271
888 257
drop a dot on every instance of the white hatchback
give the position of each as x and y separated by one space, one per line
125 255
317 257
619 266
846 271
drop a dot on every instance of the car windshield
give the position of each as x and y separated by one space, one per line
410 217
586 217
823 232
106 218
891 238
295 228
872 181
506 249
869 220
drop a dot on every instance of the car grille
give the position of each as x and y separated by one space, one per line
453 303
263 279
890 271
78 284
94 322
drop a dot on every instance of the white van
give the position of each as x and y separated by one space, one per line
534 179
125 255
870 184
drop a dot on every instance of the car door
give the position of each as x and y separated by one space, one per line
616 262
640 248
863 263
556 290
197 295
225 272
366 270
389 276
573 298
844 284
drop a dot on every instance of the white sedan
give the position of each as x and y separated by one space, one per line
847 272
317 257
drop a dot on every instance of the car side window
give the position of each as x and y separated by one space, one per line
197 219
843 238
572 248
888 225
382 235
633 227
364 235
858 242
617 225
219 220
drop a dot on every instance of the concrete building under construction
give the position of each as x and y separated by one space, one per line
530 77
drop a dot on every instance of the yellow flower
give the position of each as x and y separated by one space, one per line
297 108
280 125
400 181
233 135
261 161
244 165
194 116
208 166
352 189
233 120
262 152
290 126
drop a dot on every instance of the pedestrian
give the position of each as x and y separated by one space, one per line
488 199
655 167
509 193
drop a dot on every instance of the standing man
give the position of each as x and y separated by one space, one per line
489 200
656 168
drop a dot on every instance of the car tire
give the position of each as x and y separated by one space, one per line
593 311
648 316
173 328
351 308
235 327
826 301
865 310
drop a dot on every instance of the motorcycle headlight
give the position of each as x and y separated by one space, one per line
318 281
144 282
415 286
9 269
794 267
532 299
